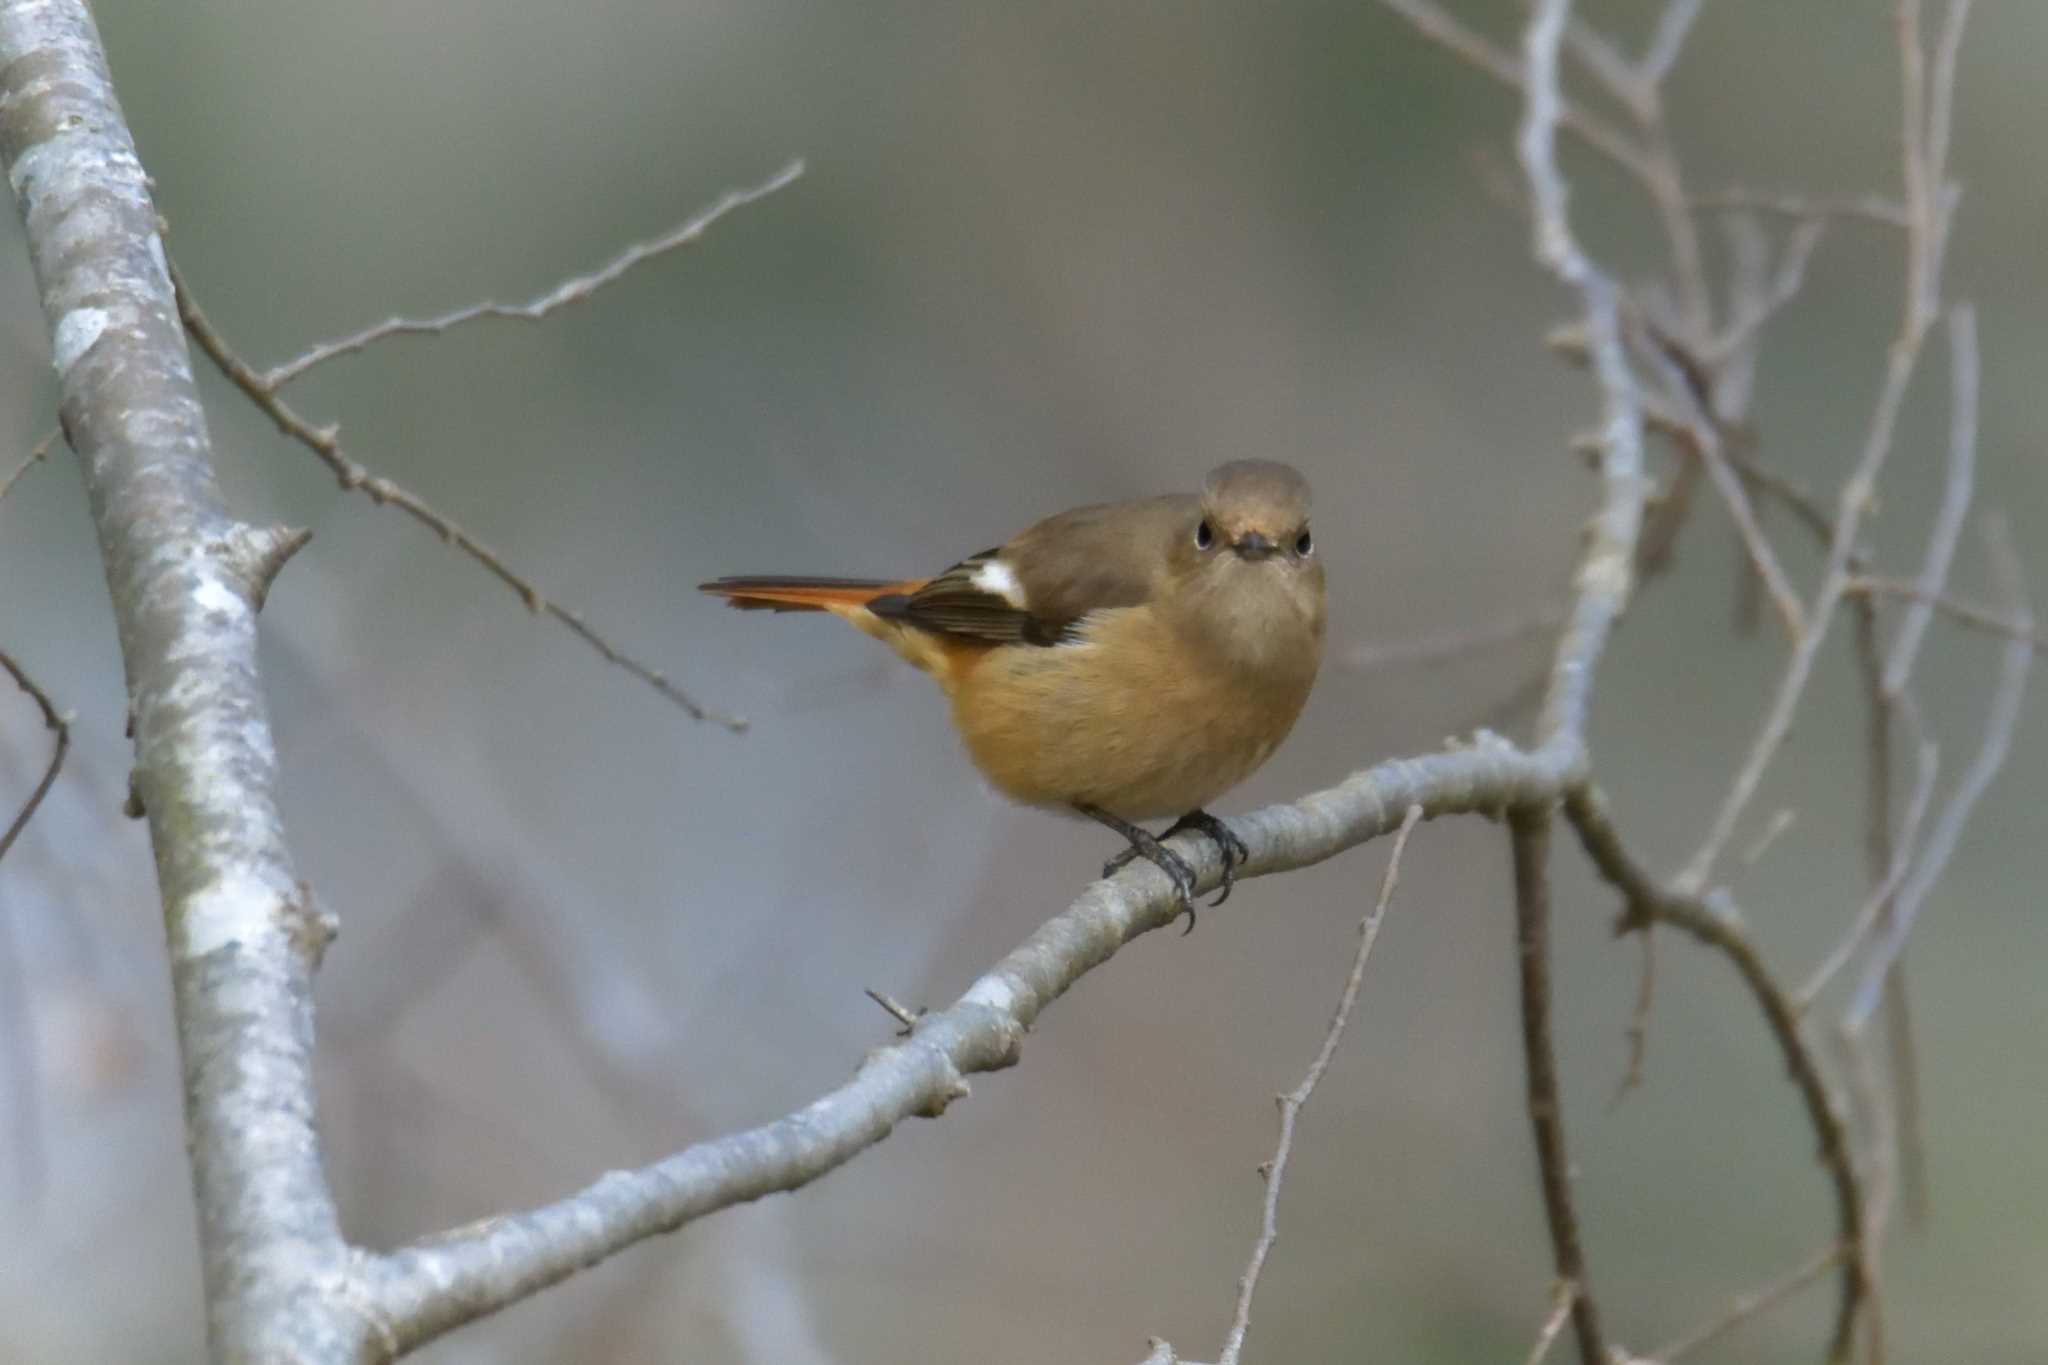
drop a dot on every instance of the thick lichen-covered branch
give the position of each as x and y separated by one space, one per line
206 769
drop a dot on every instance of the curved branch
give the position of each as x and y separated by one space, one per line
422 1291
1715 923
53 720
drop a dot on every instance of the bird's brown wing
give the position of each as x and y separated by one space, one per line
1037 588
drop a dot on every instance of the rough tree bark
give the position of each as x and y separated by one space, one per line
185 578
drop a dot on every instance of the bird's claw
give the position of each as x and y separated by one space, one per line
1172 864
1233 850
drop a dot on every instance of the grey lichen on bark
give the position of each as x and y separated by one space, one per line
206 769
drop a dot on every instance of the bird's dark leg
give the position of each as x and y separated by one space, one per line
1143 845
1229 845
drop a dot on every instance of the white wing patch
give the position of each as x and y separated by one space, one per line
998 580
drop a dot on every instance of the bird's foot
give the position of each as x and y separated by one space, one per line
1228 844
1144 845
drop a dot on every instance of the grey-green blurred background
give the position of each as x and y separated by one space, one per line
1043 255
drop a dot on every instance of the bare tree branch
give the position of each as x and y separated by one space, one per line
1900 859
245 936
1438 25
1868 208
36 455
1444 646
1990 757
1562 1299
573 290
1972 614
325 442
1955 500
422 1291
1672 29
1922 289
1531 839
1292 1102
53 720
1757 310
1743 1307
234 910
1705 441
1716 923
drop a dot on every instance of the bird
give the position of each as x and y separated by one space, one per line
1124 661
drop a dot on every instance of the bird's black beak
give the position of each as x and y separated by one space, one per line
1254 545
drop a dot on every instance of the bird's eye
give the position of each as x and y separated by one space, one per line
1204 537
1304 544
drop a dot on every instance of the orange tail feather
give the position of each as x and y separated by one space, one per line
774 592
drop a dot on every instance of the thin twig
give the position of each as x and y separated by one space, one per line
325 442
1794 496
1433 22
1785 284
1869 1111
573 290
1782 821
1291 1103
36 455
1990 757
1940 119
1955 499
1919 187
1638 1031
1448 645
1881 709
53 719
1901 860
1869 208
1743 1307
1964 613
1561 1300
1672 30
900 1013
1716 923
1909 1128
1705 442
1530 829
1860 490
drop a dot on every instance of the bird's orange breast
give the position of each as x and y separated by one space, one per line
1124 718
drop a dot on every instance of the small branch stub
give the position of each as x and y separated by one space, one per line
256 554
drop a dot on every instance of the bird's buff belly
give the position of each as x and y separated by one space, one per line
1063 725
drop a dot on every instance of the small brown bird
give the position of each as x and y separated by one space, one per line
1127 661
